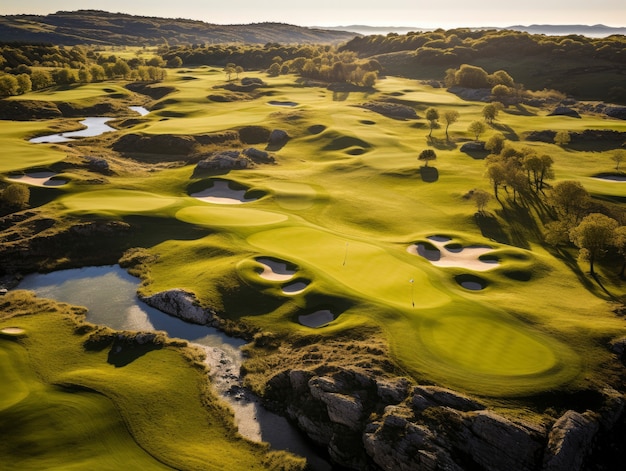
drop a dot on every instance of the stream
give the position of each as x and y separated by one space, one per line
109 293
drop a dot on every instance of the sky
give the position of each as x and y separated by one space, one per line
418 13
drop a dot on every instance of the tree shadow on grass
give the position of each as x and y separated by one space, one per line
123 353
429 174
506 130
442 144
491 228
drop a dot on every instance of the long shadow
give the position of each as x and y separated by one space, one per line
506 130
442 144
124 353
491 228
429 174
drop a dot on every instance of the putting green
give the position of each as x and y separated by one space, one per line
117 201
359 267
229 216
488 346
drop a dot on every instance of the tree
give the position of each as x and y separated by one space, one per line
477 128
619 241
481 198
229 71
238 70
562 138
274 70
495 144
490 111
8 85
501 91
40 79
16 195
175 62
121 68
497 175
432 115
450 117
369 79
84 76
570 200
24 83
470 76
427 155
592 236
618 157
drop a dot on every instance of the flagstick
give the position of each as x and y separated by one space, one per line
345 257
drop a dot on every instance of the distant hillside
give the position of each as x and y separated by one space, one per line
585 30
101 27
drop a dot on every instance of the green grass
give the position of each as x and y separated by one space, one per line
348 187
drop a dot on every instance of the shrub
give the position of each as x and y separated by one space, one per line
16 195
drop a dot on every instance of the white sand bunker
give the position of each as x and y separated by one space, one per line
43 179
295 288
222 193
274 270
317 318
442 254
12 331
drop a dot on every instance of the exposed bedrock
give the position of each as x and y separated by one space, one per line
368 423
181 304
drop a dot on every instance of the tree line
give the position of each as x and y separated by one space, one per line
35 67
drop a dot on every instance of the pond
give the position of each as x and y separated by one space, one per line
109 293
94 127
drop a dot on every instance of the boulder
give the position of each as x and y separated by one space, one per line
569 441
278 137
254 135
168 144
224 160
258 156
181 304
617 112
391 110
564 111
97 164
473 146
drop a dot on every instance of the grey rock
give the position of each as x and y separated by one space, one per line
182 304
564 111
278 137
618 112
428 396
569 441
473 146
227 159
496 443
258 156
98 164
392 391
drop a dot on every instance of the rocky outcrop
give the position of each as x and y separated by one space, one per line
391 110
167 144
278 137
473 146
28 110
564 111
224 160
181 304
569 441
367 423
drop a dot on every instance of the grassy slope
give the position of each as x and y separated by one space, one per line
357 182
148 414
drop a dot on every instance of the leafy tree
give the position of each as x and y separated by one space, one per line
539 168
562 138
64 76
175 62
490 111
619 242
16 195
238 70
432 115
369 79
450 117
97 73
618 157
470 76
121 68
477 128
570 200
229 71
8 85
481 198
502 77
501 91
40 79
592 236
495 144
426 156
84 76
24 83
274 70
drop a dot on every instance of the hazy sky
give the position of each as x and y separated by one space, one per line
443 13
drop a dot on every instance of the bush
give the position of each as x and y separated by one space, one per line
16 195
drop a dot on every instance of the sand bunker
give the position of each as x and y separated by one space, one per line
295 288
441 254
12 331
612 178
471 282
317 318
222 193
43 179
274 270
282 103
